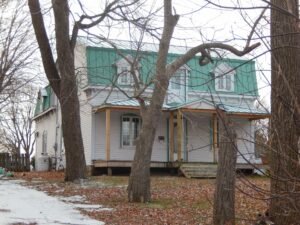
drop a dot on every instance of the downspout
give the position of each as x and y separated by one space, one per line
167 139
186 140
56 135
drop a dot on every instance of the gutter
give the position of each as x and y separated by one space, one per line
44 113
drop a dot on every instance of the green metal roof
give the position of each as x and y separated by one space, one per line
128 103
228 108
242 109
43 102
102 70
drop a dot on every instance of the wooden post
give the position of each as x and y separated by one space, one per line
215 136
107 133
171 138
179 135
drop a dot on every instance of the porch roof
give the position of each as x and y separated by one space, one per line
124 104
201 105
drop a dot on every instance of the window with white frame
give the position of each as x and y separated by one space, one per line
130 130
124 75
179 79
224 78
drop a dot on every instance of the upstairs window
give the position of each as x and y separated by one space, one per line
124 75
130 130
180 79
224 78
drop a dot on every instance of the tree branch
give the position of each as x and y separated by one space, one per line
43 42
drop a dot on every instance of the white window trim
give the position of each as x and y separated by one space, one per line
131 132
183 79
122 74
225 73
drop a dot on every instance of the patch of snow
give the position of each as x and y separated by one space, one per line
74 198
20 204
91 208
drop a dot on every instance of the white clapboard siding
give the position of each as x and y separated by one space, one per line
46 123
117 152
198 139
245 140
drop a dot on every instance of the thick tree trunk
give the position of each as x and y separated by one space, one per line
75 160
139 181
62 81
285 182
224 197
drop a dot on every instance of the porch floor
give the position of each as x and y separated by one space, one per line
176 165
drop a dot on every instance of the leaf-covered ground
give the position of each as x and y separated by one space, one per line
175 200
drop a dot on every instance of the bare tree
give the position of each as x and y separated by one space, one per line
16 48
285 120
139 181
61 73
17 129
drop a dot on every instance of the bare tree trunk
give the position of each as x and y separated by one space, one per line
63 82
139 181
285 125
224 197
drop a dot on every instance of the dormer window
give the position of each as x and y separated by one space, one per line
124 75
180 78
178 86
224 78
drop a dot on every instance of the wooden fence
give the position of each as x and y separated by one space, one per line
16 163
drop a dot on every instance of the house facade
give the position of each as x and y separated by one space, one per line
189 126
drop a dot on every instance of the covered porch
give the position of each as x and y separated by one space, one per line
188 133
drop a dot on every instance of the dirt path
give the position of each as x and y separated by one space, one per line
20 204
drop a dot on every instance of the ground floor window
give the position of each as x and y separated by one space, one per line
131 125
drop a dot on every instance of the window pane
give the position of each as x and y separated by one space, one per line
176 80
126 131
221 82
136 127
228 82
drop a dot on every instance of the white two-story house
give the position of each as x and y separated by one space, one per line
189 128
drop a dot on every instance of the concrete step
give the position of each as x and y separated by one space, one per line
199 171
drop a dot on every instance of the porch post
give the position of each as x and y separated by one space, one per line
179 135
107 133
215 136
171 138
